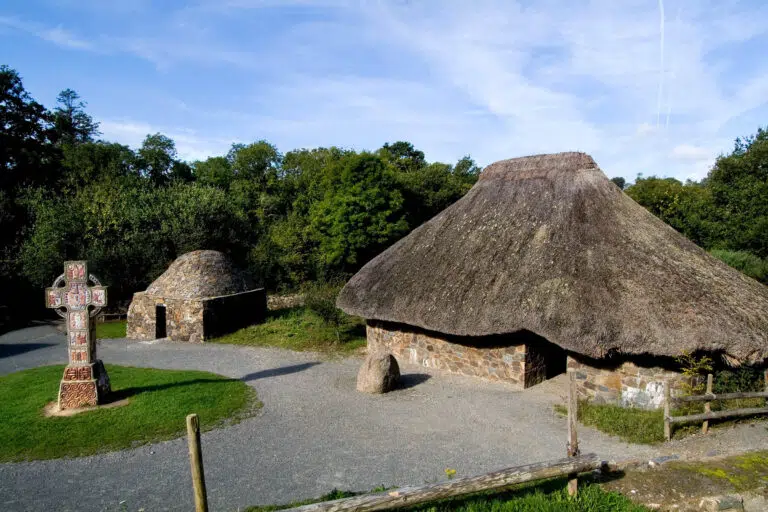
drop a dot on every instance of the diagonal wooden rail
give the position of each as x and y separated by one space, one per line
408 496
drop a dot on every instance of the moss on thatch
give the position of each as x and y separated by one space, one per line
548 244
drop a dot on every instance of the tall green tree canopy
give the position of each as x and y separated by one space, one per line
71 123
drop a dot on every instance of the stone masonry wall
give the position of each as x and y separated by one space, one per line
627 384
184 318
415 346
141 317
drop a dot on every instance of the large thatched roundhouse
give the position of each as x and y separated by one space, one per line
200 296
545 261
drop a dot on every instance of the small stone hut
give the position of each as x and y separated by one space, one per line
545 265
201 295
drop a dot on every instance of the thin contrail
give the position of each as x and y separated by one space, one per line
672 66
661 65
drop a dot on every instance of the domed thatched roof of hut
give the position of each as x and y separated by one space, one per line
199 274
548 244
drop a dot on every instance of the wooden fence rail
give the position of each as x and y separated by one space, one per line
708 397
711 397
408 496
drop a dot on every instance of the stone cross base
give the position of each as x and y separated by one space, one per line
83 386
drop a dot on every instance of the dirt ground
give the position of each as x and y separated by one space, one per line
681 485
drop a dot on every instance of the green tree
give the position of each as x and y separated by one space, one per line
403 156
27 156
259 162
157 160
215 171
93 161
739 187
619 182
28 159
686 207
361 213
72 125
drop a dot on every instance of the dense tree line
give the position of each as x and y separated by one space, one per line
308 215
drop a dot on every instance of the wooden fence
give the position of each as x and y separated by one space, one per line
708 397
570 466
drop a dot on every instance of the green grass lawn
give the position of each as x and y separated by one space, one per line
643 426
300 329
159 401
110 329
549 496
632 425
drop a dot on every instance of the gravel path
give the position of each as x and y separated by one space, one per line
313 434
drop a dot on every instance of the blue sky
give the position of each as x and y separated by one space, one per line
653 87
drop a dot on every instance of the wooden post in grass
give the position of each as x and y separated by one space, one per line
196 462
707 405
573 442
667 425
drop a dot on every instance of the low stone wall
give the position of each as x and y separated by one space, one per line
434 350
275 302
195 320
222 315
627 383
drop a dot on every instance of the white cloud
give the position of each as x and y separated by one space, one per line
56 35
190 145
690 152
646 129
493 78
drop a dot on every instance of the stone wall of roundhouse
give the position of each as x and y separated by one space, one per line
627 383
434 350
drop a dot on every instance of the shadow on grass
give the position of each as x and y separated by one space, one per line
15 349
411 380
122 394
276 372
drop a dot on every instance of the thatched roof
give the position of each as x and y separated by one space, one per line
200 274
548 244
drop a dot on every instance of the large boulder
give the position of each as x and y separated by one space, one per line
378 374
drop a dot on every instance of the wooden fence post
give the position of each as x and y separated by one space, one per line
196 462
573 442
707 405
667 425
765 380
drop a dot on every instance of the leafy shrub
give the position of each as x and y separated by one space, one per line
321 299
695 368
751 265
746 378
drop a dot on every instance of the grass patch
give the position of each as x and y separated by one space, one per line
549 496
741 472
159 401
114 329
642 426
630 424
300 329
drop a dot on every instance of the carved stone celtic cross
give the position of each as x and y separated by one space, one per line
85 381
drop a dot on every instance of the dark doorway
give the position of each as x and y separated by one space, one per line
543 360
160 330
